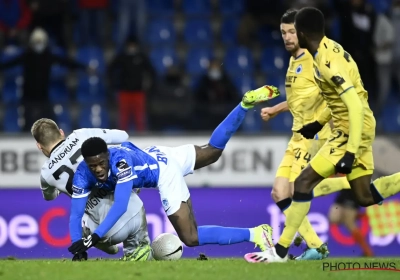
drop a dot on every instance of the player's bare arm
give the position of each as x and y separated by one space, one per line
268 113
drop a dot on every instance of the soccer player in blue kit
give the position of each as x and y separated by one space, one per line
122 168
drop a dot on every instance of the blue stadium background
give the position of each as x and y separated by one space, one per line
185 33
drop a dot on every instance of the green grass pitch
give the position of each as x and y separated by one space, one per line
185 269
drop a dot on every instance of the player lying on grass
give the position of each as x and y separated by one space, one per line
305 103
349 148
64 156
122 168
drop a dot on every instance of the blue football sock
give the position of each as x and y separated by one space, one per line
222 235
228 127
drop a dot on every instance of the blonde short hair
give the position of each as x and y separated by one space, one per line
45 132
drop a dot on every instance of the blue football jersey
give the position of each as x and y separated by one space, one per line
127 163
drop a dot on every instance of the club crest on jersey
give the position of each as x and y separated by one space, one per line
165 203
299 69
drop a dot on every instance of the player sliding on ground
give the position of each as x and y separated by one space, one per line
305 103
126 167
349 149
64 156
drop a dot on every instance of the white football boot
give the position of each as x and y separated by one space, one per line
268 256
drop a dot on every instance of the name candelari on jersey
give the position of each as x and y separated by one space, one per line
95 200
65 152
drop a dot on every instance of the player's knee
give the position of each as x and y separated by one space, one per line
302 184
363 199
215 154
190 240
277 195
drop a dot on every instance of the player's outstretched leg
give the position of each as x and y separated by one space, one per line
210 153
191 235
331 185
282 195
303 186
368 192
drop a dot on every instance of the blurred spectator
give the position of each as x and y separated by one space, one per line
171 104
357 28
131 20
130 70
395 19
49 15
383 38
37 60
215 97
92 15
259 14
15 17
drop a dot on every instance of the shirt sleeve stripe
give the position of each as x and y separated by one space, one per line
127 179
346 90
80 195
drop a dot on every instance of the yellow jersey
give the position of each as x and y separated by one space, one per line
303 95
335 73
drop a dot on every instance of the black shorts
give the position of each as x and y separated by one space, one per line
346 198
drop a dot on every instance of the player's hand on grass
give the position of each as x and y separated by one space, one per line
310 129
84 244
345 164
268 113
80 257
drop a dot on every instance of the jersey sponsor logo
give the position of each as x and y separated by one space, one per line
122 165
77 190
64 153
299 69
338 80
125 173
290 79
